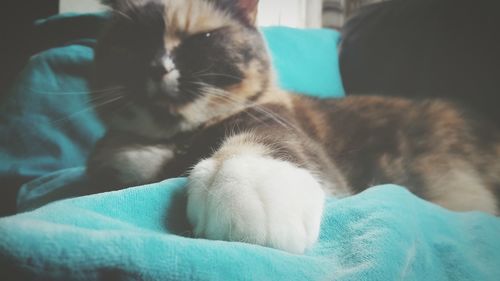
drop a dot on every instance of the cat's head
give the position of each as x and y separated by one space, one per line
187 59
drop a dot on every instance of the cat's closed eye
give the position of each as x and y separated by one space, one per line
206 35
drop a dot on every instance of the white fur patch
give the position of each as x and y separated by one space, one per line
142 164
168 63
171 81
255 199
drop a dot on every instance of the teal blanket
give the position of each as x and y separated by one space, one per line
141 233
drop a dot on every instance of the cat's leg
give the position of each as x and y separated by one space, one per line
119 161
244 193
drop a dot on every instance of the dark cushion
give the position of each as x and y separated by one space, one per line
426 48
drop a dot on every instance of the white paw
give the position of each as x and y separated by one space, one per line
254 199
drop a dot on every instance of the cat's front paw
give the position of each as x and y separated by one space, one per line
255 199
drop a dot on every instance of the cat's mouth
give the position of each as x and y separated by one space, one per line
163 89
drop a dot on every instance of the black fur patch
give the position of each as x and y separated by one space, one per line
208 59
132 40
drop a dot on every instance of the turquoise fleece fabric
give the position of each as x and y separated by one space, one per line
384 233
141 233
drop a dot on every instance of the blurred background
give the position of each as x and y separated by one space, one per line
293 13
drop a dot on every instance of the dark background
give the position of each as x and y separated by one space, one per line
16 37
426 48
17 19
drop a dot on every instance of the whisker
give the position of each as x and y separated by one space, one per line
256 106
236 103
120 108
209 90
203 70
105 96
87 109
218 75
123 14
285 123
75 92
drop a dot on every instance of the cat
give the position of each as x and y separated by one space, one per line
187 88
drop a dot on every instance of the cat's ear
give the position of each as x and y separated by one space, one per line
250 8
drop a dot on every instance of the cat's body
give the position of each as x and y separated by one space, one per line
259 160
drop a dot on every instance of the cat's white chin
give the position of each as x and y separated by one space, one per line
255 199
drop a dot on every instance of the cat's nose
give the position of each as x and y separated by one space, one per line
158 71
161 67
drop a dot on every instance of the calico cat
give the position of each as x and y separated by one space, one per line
186 87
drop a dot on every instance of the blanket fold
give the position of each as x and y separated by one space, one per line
141 233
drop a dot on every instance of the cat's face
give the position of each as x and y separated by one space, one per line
183 57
